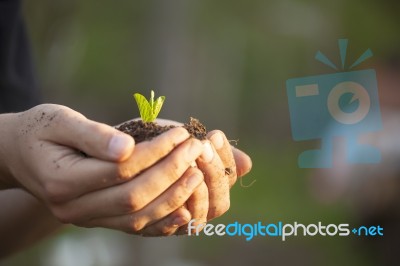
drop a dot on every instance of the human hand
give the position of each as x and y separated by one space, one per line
221 165
137 189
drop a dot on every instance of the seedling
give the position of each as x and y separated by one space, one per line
149 110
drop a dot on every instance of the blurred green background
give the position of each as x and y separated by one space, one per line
226 63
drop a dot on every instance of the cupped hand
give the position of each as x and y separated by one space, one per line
92 175
221 164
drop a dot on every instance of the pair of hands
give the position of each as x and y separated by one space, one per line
138 189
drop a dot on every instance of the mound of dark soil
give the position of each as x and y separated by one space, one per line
142 131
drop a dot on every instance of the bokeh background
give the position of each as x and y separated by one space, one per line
226 63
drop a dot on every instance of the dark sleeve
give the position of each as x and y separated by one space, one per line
18 91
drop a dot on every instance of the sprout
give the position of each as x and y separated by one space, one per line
149 109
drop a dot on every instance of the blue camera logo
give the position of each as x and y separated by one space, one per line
344 104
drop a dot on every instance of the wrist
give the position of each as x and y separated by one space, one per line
7 139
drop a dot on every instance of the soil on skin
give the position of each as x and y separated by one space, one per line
141 131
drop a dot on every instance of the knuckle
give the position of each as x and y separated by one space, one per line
63 215
168 231
122 173
59 115
223 207
132 202
135 224
194 171
125 171
174 201
64 111
172 169
220 209
56 192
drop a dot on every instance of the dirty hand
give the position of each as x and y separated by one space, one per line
221 164
91 175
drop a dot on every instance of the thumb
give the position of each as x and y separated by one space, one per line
70 128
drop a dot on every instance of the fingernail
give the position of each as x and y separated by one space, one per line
208 153
217 140
179 221
194 150
119 145
193 181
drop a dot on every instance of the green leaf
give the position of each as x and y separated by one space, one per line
149 110
144 107
158 105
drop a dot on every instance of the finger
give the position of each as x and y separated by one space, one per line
198 204
79 175
169 225
161 207
175 197
149 152
224 150
165 227
243 162
136 194
70 128
218 184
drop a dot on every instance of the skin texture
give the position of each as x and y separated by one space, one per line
212 199
89 174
